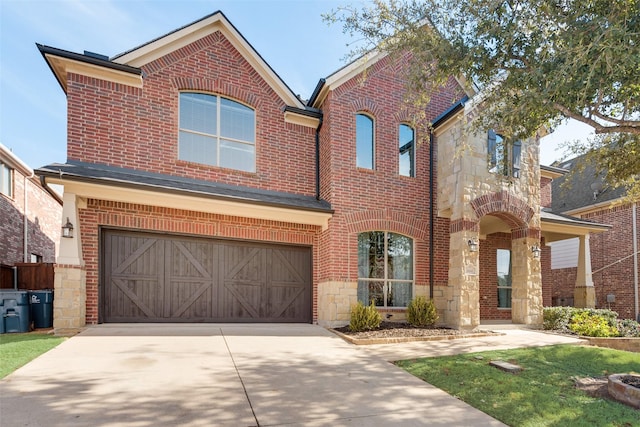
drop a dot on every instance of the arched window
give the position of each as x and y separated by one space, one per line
385 269
364 142
217 131
407 147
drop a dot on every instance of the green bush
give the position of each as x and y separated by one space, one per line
422 312
557 318
629 328
592 325
364 318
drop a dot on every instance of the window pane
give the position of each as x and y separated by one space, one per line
515 158
400 257
368 291
364 141
236 121
197 148
399 294
503 262
5 180
407 148
198 112
504 298
236 155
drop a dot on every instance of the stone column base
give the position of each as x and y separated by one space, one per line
69 302
584 297
334 302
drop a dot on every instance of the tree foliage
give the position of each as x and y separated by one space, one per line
535 63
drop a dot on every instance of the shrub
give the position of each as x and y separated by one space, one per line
590 324
629 328
422 312
364 318
557 318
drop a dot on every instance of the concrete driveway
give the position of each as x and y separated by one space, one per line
221 375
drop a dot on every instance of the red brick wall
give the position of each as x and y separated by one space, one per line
563 283
489 276
547 283
44 221
607 253
119 125
100 213
545 192
378 199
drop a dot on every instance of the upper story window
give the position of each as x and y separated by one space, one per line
504 158
364 141
407 146
385 269
6 180
217 131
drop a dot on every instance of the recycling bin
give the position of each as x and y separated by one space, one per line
41 308
14 311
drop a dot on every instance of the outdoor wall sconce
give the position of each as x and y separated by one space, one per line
536 250
67 229
473 245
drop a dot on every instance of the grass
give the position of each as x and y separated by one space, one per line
17 350
543 394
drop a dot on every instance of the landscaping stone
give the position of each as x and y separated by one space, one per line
506 366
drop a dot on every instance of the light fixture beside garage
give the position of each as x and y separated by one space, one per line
67 229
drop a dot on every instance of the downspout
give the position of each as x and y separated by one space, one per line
634 218
431 225
318 159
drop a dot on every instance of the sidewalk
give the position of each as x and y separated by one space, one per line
514 337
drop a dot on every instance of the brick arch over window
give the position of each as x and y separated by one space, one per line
216 87
387 220
366 106
509 208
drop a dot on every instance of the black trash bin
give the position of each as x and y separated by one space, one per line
14 311
41 308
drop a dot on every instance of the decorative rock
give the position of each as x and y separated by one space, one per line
506 366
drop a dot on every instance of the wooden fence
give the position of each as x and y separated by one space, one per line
33 276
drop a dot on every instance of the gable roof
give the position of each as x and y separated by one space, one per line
583 188
217 21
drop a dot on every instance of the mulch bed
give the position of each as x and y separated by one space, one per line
396 332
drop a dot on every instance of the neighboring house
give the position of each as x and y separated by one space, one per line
614 255
202 189
31 214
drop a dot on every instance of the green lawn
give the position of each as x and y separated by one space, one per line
17 350
543 394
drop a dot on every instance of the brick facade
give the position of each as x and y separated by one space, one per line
43 227
137 127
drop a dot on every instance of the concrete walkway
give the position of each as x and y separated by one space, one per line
235 375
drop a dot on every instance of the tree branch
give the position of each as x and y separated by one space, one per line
626 126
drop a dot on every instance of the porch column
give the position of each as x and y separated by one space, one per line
526 293
69 302
584 294
462 296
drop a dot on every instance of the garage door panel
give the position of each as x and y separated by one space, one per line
154 278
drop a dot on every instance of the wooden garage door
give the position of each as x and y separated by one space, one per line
158 278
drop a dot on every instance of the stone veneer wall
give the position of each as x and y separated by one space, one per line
69 304
467 192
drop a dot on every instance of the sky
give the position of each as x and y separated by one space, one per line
289 34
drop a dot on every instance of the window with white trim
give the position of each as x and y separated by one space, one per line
504 157
364 141
385 269
6 180
407 147
217 131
